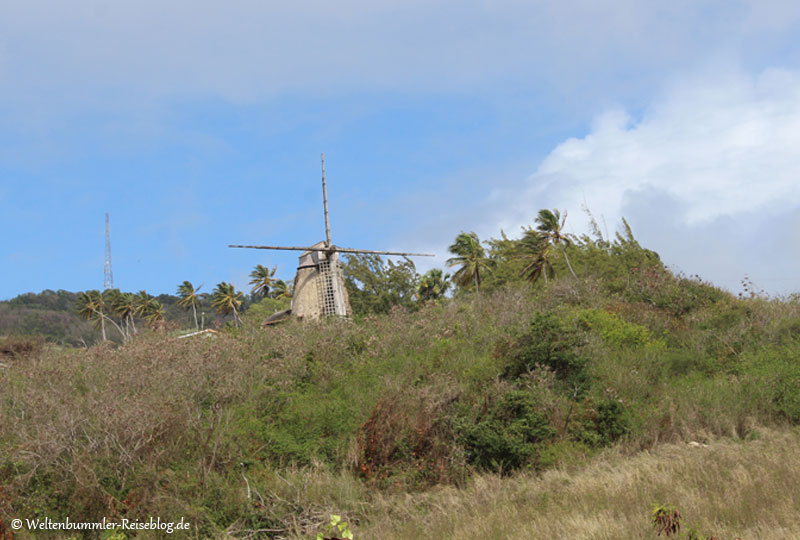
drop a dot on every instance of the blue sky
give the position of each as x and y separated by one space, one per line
198 124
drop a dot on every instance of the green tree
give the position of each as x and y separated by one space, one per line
92 308
282 289
153 311
550 223
433 285
226 300
375 287
471 259
262 280
124 306
189 299
534 250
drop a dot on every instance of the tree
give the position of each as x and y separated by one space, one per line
471 257
433 285
551 225
534 250
125 306
91 307
94 306
374 286
153 311
282 289
262 280
189 299
226 300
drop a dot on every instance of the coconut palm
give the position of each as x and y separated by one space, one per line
91 307
226 299
262 280
141 303
433 285
189 299
125 306
282 289
471 257
153 311
534 249
550 223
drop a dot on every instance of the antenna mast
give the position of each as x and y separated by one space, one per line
325 203
108 276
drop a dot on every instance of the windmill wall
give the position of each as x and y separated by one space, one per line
316 292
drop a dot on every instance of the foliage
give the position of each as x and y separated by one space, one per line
20 346
262 278
433 285
226 300
552 343
189 299
375 286
338 527
471 259
508 434
273 429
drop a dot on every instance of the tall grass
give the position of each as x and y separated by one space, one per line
387 419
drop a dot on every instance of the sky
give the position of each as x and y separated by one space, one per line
200 124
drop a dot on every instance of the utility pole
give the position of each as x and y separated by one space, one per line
108 276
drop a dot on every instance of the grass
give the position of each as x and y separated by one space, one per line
731 489
561 412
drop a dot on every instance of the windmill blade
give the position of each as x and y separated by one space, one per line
338 250
289 248
376 252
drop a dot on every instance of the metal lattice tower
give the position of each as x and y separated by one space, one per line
108 275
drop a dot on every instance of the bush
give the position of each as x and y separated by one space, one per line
409 440
21 346
551 343
508 434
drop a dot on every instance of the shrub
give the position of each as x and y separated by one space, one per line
508 434
21 346
409 439
549 342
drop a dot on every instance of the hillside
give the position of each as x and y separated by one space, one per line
494 399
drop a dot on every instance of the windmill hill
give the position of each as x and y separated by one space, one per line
553 394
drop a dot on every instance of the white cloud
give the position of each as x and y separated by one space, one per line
251 50
708 176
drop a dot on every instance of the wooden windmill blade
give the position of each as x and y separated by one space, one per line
338 250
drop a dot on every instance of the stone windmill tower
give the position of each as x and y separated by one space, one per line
319 289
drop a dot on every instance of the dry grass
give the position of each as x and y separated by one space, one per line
731 489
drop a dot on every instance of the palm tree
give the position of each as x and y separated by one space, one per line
551 225
535 250
125 306
189 299
262 280
141 303
471 257
282 289
226 299
433 285
91 307
153 311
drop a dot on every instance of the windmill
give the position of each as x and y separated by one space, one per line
319 289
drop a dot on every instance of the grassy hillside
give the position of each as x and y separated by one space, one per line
524 412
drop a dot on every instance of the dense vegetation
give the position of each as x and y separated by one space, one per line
526 373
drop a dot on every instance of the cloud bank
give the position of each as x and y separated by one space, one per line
708 176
